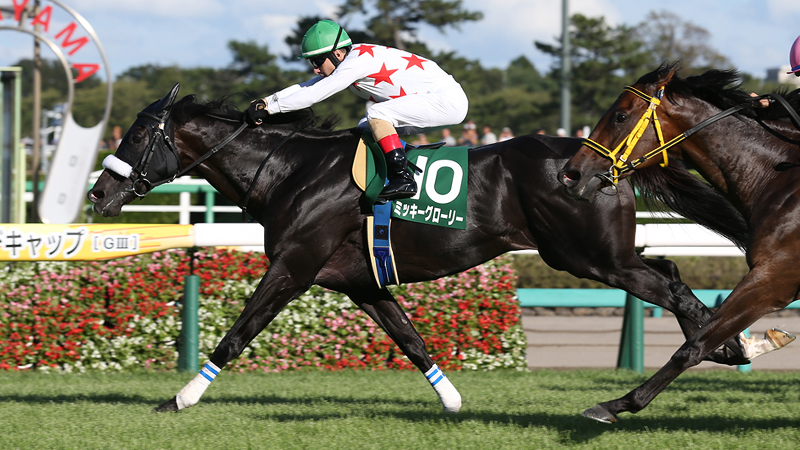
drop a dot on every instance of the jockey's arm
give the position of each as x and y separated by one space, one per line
313 91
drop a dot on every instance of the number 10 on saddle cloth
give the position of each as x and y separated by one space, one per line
441 198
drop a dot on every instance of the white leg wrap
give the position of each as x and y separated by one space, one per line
774 339
191 393
451 399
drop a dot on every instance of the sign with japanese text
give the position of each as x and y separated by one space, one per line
442 189
86 242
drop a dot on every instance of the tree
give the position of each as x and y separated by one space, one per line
390 20
256 72
604 59
668 38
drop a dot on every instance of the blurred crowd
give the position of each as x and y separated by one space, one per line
470 137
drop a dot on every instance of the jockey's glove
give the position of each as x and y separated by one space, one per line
255 114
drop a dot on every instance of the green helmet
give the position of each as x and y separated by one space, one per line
320 39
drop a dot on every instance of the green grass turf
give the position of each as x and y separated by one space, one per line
393 410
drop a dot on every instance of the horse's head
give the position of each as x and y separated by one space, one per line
145 158
611 151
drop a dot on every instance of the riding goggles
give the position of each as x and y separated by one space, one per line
317 61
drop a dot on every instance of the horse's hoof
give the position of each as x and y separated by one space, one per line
452 409
774 339
169 406
779 338
600 414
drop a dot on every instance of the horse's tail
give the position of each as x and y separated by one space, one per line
693 198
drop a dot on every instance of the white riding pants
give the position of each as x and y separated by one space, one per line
418 113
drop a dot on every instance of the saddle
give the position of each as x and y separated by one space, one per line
369 174
364 173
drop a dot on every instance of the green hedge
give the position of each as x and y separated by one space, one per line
123 315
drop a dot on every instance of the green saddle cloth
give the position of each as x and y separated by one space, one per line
441 201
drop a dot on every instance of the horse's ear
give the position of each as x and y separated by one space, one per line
673 69
173 94
165 103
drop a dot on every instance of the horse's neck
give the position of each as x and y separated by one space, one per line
233 170
738 160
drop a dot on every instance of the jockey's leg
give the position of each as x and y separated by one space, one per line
401 181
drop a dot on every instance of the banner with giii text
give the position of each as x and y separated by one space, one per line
86 242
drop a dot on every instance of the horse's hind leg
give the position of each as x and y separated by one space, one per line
381 306
654 281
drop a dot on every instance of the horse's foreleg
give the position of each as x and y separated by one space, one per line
381 306
740 349
275 290
746 304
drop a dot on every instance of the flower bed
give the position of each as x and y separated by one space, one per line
123 315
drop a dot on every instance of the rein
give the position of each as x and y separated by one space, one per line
138 174
211 153
621 165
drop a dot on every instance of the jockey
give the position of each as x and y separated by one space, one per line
794 58
794 62
405 94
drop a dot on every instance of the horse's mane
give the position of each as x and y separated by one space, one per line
721 88
677 189
188 108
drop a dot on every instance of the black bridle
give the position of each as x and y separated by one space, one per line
161 137
161 145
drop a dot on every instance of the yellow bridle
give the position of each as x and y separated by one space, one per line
620 164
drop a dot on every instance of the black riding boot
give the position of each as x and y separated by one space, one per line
401 181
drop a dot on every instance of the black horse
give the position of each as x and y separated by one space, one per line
314 219
749 155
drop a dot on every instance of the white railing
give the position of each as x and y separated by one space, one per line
655 239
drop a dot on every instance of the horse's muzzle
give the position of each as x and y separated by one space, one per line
581 187
108 205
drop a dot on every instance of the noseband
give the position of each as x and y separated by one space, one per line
138 174
620 165
161 139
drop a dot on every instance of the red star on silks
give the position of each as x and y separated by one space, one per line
365 49
414 61
402 93
383 76
372 99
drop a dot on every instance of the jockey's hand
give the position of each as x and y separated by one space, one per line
255 114
763 103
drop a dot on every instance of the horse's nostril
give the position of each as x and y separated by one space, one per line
569 177
95 195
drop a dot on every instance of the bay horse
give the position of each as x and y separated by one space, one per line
746 153
293 176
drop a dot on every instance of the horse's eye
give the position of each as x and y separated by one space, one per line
136 138
621 118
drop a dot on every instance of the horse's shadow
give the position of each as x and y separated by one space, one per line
60 399
571 427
